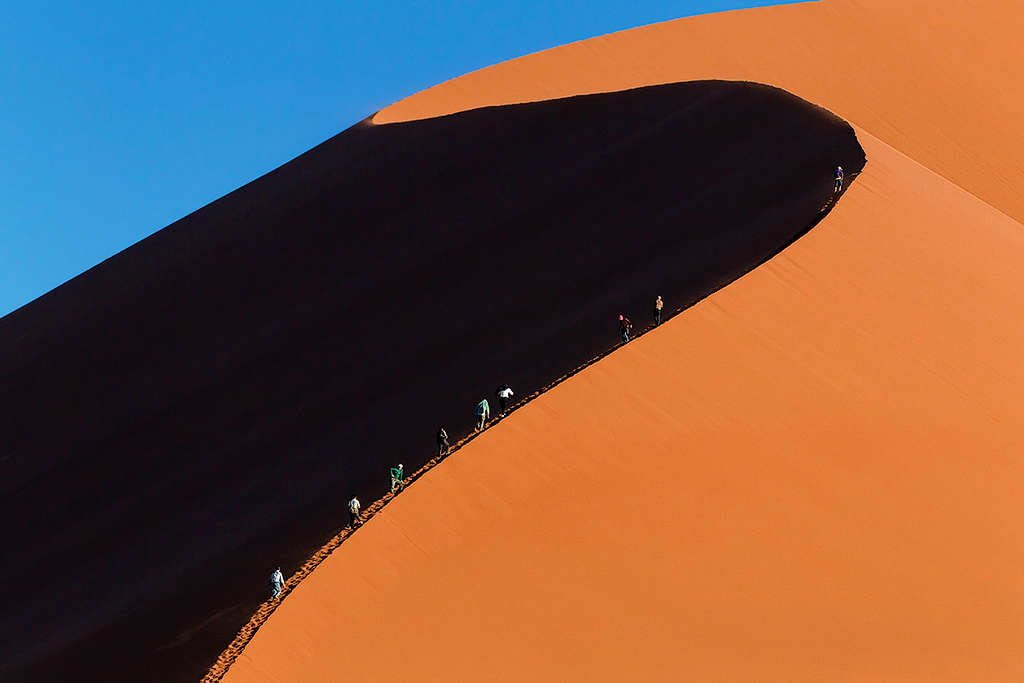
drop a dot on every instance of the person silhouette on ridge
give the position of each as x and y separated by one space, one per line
839 178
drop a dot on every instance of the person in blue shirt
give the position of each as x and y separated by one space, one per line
483 413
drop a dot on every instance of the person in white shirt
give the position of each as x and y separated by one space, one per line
503 393
276 583
353 512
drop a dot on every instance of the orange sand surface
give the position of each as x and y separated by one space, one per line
814 474
940 80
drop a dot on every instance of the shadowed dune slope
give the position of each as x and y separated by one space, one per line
940 80
196 410
812 475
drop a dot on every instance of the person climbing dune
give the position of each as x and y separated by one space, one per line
624 327
276 583
658 305
483 413
397 478
354 519
442 442
504 393
839 178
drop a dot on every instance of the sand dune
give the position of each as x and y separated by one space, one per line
813 474
940 80
196 410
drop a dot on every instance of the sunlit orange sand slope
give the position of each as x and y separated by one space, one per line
814 474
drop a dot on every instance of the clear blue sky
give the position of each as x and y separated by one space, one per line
118 118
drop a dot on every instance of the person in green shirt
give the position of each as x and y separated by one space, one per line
397 478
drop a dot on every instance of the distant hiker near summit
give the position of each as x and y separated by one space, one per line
483 413
839 178
276 583
504 394
624 327
353 513
658 305
442 442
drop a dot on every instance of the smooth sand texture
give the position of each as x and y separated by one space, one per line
940 80
814 474
195 411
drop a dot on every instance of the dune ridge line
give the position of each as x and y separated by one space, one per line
227 658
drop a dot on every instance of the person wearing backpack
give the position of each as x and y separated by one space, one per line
624 327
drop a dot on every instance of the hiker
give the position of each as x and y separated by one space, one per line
503 393
658 305
483 413
839 178
353 513
624 327
276 583
442 442
397 478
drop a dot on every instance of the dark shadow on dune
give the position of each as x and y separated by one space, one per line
195 411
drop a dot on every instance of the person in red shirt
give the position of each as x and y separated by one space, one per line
624 327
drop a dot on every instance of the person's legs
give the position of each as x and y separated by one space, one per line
503 402
479 422
276 591
353 518
657 317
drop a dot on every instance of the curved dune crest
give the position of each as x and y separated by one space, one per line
205 401
811 475
940 80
